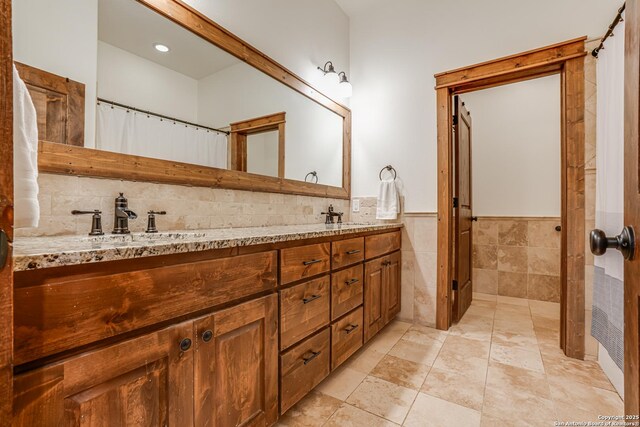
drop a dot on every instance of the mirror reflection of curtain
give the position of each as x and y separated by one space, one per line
136 133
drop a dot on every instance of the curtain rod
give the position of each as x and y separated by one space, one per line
149 113
609 32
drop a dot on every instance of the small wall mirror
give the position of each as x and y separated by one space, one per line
157 90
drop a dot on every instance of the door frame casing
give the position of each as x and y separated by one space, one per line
6 212
567 60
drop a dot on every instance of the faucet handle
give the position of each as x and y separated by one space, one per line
340 217
151 222
96 221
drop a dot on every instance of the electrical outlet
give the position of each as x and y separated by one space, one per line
355 205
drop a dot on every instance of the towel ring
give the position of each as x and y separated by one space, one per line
313 174
390 169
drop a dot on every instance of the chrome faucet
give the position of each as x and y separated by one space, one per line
122 216
330 214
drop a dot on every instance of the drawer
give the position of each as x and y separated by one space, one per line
304 261
380 244
53 314
346 290
347 252
304 309
302 368
346 337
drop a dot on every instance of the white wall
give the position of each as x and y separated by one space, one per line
299 34
397 47
516 148
47 36
313 134
129 79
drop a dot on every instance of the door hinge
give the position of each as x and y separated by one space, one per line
4 248
454 285
455 202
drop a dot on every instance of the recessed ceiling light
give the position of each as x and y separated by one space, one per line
161 47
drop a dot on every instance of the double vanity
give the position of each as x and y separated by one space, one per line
214 327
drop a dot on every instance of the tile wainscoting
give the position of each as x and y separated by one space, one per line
188 208
517 257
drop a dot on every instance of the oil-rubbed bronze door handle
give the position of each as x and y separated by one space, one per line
625 242
313 261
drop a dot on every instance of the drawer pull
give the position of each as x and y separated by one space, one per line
353 252
313 261
386 263
185 344
309 299
314 354
351 282
350 329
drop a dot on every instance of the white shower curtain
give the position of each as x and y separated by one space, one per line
607 325
136 133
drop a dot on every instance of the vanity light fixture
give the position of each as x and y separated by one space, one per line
330 75
161 47
345 89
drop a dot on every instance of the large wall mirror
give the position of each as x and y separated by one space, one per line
178 99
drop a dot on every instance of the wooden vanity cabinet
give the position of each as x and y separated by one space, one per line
382 294
205 339
143 381
236 365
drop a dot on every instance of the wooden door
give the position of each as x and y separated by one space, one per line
145 381
6 212
374 311
392 287
632 207
462 286
236 365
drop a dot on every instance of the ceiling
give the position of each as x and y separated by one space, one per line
133 27
355 7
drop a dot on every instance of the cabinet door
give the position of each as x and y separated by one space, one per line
143 381
236 365
374 309
392 287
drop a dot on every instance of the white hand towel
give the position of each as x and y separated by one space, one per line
388 205
25 156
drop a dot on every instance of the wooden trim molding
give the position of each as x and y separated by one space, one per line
59 103
80 161
566 59
6 212
240 132
96 163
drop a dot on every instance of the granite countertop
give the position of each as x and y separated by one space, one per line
32 253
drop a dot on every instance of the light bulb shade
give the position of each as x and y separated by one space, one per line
331 78
345 89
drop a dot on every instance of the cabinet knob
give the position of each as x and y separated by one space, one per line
207 335
185 344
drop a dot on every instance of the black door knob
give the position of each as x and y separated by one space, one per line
625 242
474 218
207 335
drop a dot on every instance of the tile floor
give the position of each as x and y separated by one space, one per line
500 366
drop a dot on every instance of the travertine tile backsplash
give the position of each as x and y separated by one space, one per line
517 257
189 208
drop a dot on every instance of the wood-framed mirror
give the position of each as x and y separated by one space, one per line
230 81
